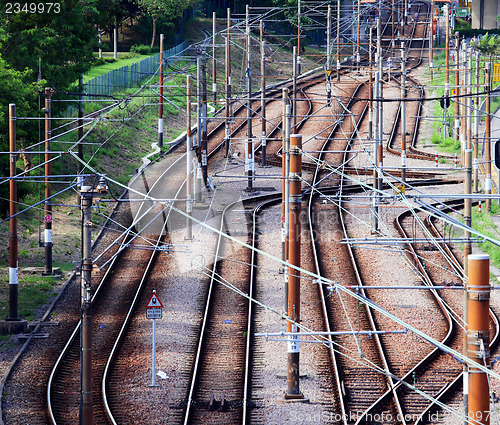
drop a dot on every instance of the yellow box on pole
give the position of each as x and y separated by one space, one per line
496 73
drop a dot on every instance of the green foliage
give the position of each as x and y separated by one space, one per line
63 42
482 222
168 11
488 45
141 49
462 24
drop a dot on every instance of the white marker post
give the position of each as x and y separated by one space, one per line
154 311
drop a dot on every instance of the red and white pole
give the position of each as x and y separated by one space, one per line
456 160
436 157
479 206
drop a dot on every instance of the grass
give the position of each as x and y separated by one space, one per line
124 59
34 291
483 223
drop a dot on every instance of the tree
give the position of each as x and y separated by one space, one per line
170 10
488 45
62 38
13 89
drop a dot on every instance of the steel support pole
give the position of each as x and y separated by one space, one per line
228 82
467 203
338 41
370 86
160 100
86 407
463 101
294 78
294 229
487 137
48 192
13 240
467 252
189 162
403 113
283 179
446 11
476 128
299 18
328 56
214 60
199 130
115 40
80 131
469 99
431 43
249 163
204 120
380 96
358 36
456 130
100 41
263 93
478 337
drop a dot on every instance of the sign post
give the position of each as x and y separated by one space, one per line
154 311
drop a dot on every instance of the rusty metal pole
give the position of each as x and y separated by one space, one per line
478 337
370 87
380 95
214 60
456 130
160 104
487 137
294 229
199 175
249 163
263 92
467 203
81 167
431 42
403 114
476 128
469 98
328 56
48 193
189 161
463 101
86 407
294 78
338 41
13 240
447 46
467 252
299 18
283 179
228 82
358 36
204 120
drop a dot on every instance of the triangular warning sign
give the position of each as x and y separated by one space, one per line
154 301
328 72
